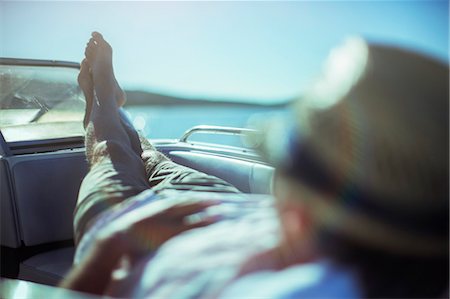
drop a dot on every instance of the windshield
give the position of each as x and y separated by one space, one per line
40 102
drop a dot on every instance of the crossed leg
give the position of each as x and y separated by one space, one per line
122 163
113 152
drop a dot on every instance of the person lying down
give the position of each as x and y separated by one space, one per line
359 205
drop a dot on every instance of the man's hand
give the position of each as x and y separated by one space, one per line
146 229
135 233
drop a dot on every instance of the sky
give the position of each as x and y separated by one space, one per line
264 52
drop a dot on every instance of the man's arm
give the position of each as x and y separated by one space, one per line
154 224
93 274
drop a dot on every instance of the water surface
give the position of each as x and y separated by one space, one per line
172 121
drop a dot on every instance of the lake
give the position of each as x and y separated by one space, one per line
172 121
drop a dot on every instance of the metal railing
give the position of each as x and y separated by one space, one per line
215 130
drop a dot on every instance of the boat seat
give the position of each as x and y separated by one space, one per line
48 267
29 218
248 177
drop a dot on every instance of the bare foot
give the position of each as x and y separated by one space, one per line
99 57
87 86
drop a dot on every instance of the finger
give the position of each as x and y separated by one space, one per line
186 209
202 223
188 225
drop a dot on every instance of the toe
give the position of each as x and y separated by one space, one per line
87 52
84 71
84 64
85 68
92 42
97 36
90 47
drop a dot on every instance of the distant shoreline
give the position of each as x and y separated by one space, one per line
143 98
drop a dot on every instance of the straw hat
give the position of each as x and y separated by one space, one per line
371 135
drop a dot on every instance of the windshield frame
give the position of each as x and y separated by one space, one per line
38 62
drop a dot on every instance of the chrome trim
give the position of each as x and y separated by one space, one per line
38 62
215 130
